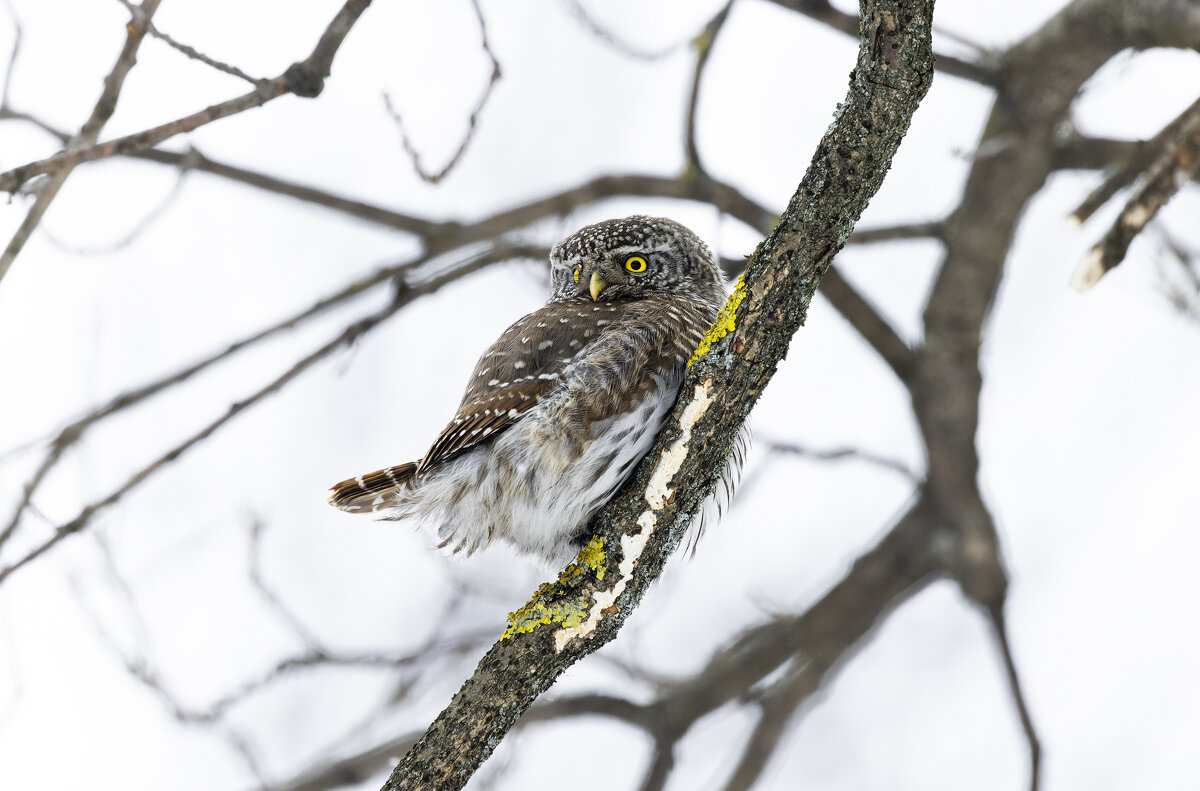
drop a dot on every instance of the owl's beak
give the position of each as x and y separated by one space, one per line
596 285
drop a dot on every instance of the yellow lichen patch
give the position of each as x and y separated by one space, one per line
725 323
634 544
553 602
592 556
537 612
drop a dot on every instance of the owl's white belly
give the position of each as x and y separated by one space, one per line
535 485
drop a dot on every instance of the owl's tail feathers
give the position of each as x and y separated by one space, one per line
370 492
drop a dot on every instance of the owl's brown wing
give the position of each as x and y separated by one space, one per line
521 367
483 419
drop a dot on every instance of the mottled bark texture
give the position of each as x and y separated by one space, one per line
584 610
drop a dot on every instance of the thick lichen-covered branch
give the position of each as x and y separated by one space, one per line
646 521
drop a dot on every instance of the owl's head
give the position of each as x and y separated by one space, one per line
631 258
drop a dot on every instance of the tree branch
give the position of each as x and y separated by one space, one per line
305 78
472 121
1000 629
135 32
190 52
703 45
637 531
869 323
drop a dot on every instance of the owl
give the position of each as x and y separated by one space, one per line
560 409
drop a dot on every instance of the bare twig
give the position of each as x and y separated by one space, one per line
472 120
194 160
131 235
1180 284
352 770
1139 158
273 599
776 449
870 323
1172 168
1000 629
895 233
305 78
612 39
9 114
105 106
703 45
18 34
191 52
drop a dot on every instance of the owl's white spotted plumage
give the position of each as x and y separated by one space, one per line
567 400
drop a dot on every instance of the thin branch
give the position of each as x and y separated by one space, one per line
194 160
612 39
191 52
855 308
1084 152
18 37
703 45
130 236
1173 168
349 771
270 596
775 449
472 120
305 78
1140 158
46 191
869 323
9 114
1000 629
895 233
1180 284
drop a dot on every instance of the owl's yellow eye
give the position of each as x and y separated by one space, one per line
635 263
576 274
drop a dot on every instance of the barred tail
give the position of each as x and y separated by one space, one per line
370 492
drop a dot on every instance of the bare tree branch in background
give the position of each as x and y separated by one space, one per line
189 52
1175 165
46 191
434 177
304 78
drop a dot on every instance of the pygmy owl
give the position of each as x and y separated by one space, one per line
567 400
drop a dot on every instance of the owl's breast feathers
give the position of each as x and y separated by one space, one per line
619 350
